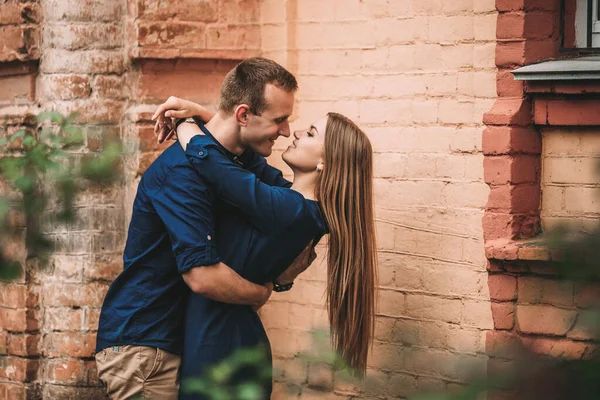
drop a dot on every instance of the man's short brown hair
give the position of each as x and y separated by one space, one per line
245 84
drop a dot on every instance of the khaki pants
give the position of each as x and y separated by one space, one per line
139 372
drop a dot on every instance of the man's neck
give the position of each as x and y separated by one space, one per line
226 131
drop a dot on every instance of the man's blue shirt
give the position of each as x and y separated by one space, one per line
171 231
261 230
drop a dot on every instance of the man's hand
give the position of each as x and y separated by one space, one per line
269 287
299 265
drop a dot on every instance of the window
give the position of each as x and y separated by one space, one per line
580 25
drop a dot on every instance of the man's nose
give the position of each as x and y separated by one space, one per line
285 130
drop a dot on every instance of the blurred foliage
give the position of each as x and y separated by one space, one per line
41 163
223 380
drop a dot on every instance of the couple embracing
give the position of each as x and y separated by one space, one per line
215 230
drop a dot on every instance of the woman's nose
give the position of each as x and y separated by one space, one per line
296 135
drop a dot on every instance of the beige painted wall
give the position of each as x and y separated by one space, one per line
417 76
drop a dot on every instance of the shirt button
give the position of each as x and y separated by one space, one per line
200 153
209 237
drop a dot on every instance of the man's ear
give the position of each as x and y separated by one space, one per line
241 114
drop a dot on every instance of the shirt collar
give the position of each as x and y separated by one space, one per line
242 159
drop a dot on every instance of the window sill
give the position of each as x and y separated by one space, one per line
587 68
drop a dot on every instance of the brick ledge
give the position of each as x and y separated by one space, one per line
519 250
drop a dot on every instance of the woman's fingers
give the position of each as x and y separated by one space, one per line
172 102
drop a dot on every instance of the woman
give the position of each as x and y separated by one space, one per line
332 187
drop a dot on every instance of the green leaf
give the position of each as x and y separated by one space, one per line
250 391
29 141
24 183
53 116
9 270
18 134
3 141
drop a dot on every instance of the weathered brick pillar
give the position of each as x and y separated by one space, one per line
19 311
531 305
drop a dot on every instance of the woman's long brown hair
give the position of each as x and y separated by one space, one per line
345 192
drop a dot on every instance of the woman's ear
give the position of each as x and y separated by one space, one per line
320 166
241 114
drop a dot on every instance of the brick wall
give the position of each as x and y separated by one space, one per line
418 77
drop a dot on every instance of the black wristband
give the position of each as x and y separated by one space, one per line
182 120
282 288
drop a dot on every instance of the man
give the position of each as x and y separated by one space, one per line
171 239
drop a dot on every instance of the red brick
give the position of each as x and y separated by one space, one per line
184 10
537 290
197 80
19 369
518 53
509 111
147 138
510 54
16 391
11 43
498 225
65 87
24 345
112 87
229 12
529 25
570 87
511 169
502 344
561 348
13 319
77 295
527 5
545 320
240 37
70 372
145 160
17 89
3 343
92 315
503 315
507 85
172 34
510 25
540 111
509 140
10 13
587 295
105 267
516 199
502 287
71 344
573 112
15 296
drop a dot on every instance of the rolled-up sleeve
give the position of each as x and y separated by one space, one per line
269 208
184 205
